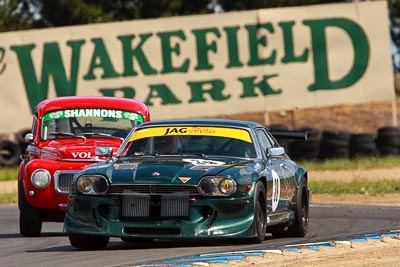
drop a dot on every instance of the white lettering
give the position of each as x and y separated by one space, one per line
82 155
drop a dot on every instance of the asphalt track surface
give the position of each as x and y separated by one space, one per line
52 248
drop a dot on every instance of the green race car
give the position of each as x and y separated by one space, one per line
190 178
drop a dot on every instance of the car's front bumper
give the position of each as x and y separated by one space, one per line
208 218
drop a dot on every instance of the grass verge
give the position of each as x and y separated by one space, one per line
352 164
357 186
9 198
8 173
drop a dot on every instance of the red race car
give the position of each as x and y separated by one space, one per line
65 134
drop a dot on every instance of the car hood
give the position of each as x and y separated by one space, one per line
76 149
176 171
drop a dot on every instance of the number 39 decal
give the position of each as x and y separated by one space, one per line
276 189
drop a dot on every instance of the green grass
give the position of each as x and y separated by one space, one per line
355 187
8 173
9 198
353 164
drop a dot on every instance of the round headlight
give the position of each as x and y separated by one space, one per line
40 178
217 186
227 186
208 186
92 184
84 184
100 185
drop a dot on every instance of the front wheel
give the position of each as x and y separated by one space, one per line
259 213
30 221
88 242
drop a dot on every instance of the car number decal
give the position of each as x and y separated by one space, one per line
276 189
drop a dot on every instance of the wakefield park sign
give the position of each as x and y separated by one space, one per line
208 65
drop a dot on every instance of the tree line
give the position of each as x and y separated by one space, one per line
34 14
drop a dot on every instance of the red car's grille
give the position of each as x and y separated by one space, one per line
63 180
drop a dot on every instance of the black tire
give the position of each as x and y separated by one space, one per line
334 144
30 221
299 227
260 214
9 153
306 150
362 145
300 224
388 141
88 242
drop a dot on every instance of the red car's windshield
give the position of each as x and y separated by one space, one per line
88 122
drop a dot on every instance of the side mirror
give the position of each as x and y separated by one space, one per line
28 138
104 151
275 152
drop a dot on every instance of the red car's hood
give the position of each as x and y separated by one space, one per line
76 149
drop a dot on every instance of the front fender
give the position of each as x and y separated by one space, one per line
39 197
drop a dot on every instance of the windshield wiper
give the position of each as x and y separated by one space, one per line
65 134
101 134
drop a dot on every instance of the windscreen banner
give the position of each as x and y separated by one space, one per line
206 65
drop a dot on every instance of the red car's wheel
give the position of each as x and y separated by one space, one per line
30 222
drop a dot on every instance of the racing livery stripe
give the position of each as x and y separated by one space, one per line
189 130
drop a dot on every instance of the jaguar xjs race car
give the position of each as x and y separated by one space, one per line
190 178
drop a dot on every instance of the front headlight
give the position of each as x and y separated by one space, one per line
217 186
40 178
92 184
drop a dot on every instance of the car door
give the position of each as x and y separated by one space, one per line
279 176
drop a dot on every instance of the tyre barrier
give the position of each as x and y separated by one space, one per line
330 144
362 145
334 144
388 141
9 153
306 149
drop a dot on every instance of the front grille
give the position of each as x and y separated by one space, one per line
142 206
63 180
120 189
136 206
174 206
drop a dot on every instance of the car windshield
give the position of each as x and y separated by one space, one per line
210 141
88 122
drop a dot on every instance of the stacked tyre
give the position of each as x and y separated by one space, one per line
9 153
362 145
334 144
388 141
306 149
